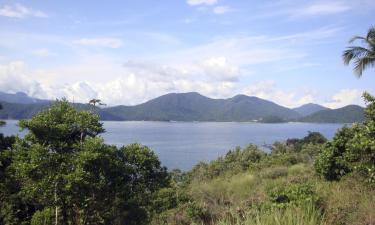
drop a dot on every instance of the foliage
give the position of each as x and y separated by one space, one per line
272 119
43 217
351 150
234 161
346 114
362 56
62 166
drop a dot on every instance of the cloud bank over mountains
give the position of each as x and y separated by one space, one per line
285 51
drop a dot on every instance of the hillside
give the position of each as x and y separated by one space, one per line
20 98
347 114
195 107
308 109
192 106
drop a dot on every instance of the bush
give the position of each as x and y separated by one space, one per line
292 194
43 217
352 149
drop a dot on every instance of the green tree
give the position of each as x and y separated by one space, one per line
351 150
362 56
65 168
2 123
44 156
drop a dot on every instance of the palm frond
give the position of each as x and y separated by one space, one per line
362 57
362 63
355 52
357 38
371 33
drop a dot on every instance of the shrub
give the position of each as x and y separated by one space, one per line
352 149
43 217
292 194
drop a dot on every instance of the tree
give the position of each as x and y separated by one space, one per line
44 156
351 150
73 177
2 123
362 56
95 101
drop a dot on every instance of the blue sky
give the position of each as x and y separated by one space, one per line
127 52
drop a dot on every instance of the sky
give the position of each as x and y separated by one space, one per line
126 52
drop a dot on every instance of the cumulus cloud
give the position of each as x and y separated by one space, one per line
100 42
221 9
14 78
268 90
20 11
201 2
345 97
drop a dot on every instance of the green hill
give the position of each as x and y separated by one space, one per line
308 109
193 106
347 114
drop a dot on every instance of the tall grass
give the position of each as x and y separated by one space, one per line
302 215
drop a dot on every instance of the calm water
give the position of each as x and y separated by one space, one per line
183 144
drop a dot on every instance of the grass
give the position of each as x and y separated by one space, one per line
303 215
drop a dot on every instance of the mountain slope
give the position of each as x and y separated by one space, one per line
195 107
192 107
308 109
347 114
20 98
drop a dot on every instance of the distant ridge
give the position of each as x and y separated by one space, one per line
192 106
308 109
347 114
20 98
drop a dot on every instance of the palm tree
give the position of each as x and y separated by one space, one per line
362 57
96 101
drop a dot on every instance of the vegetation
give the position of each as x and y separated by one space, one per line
301 181
195 107
308 109
63 173
362 56
347 114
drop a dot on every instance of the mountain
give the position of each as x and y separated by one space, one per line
308 109
193 106
347 114
20 98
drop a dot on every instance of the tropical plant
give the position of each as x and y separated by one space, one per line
362 56
95 101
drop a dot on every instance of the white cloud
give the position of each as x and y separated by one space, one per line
221 9
218 69
100 42
268 90
201 2
43 52
321 8
14 78
345 97
20 11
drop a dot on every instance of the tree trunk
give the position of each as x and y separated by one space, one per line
56 208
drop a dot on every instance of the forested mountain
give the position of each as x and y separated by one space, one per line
308 109
20 98
347 114
193 106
